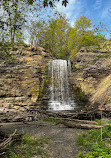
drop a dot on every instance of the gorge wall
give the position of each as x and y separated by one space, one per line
22 79
92 74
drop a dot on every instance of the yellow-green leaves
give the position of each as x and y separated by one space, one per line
82 24
56 37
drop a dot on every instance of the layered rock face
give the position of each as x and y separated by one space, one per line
92 74
22 80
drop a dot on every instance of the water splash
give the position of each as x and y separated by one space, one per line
60 93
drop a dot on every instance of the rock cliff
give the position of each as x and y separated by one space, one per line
22 79
92 74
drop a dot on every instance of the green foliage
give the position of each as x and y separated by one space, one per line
79 95
92 145
73 66
12 20
108 101
63 41
44 84
83 35
82 24
10 153
37 30
19 38
5 54
52 120
29 146
80 155
55 37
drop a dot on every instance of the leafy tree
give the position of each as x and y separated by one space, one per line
50 37
13 19
37 30
82 24
60 39
56 37
19 38
83 35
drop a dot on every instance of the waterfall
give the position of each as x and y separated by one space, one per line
60 93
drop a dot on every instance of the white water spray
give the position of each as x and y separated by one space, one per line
60 94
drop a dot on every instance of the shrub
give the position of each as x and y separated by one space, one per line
91 145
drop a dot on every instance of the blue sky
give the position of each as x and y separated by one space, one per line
97 10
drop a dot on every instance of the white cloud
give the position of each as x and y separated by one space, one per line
67 10
105 13
72 10
98 4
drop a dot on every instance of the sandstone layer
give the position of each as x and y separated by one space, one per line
22 79
92 74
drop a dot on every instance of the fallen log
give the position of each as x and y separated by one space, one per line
80 126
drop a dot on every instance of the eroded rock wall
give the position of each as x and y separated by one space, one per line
21 80
92 74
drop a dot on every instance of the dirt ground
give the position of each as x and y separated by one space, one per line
63 140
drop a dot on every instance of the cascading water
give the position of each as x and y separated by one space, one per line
60 93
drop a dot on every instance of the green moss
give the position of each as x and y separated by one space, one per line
82 66
107 101
43 86
14 48
79 95
73 66
44 83
52 120
36 91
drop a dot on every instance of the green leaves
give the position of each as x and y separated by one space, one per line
12 19
83 35
51 3
56 37
64 3
82 24
93 148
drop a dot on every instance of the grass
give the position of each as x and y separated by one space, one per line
91 146
29 146
52 120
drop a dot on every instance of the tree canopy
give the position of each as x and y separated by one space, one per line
62 41
56 35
